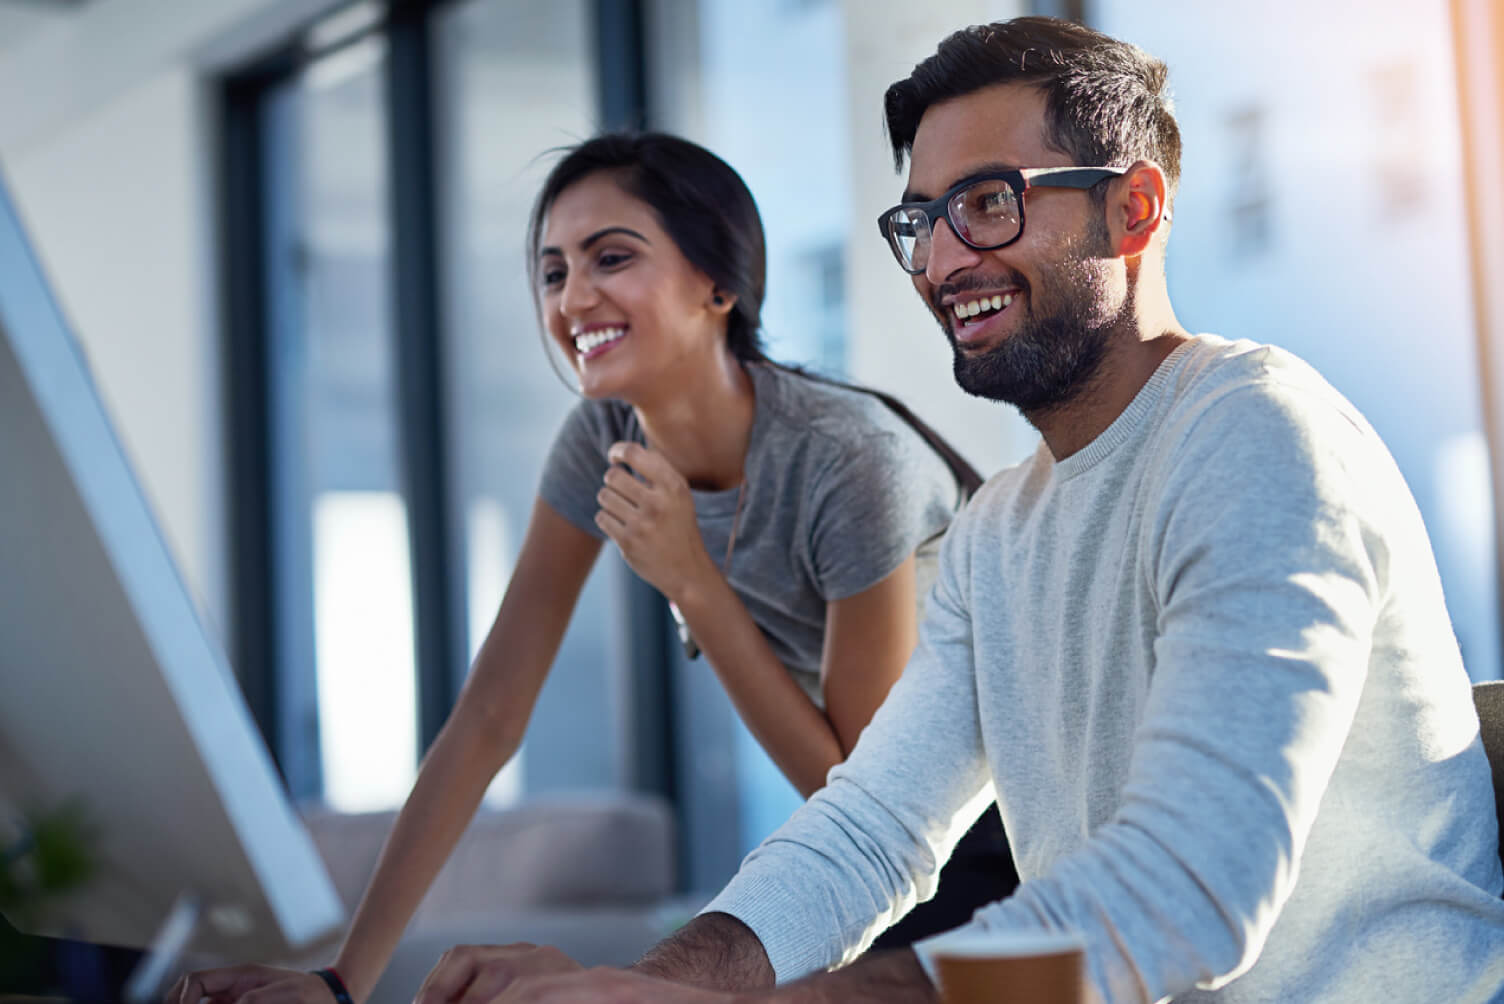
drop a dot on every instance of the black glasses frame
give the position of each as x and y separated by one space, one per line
1020 179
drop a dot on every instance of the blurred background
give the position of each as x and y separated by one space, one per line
289 235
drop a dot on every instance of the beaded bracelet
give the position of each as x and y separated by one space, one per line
335 984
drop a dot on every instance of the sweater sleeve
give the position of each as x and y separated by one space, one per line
1267 563
868 846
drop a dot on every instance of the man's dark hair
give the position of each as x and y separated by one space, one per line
1106 102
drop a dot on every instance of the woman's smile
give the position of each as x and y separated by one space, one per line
593 340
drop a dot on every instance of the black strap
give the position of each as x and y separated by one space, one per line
335 984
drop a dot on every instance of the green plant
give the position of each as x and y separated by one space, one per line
53 857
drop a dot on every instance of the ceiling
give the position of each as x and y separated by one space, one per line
19 18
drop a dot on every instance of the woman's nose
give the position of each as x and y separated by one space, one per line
578 295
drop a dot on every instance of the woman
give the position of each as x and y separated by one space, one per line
780 514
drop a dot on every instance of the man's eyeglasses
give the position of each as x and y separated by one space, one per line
986 212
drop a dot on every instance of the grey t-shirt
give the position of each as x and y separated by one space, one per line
839 491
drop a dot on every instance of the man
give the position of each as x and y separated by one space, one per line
1196 643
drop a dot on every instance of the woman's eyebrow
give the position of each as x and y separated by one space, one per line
593 238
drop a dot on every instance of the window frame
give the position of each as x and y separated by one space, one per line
248 390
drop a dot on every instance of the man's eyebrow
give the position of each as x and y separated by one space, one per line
593 238
910 195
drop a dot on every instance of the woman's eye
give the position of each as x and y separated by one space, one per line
611 259
551 276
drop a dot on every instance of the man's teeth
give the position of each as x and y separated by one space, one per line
974 307
595 339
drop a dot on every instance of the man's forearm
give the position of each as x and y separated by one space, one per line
715 951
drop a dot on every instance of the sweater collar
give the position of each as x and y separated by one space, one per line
1133 417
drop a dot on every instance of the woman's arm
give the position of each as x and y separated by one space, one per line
868 640
482 733
868 637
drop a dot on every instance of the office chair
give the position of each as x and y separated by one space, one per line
1489 699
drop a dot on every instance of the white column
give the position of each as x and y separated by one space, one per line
1478 27
894 342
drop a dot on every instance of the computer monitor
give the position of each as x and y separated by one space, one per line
112 693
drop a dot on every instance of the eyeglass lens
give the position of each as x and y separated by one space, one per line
984 215
909 230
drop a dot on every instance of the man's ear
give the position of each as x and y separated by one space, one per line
1137 204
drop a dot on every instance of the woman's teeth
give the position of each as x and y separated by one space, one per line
987 303
591 340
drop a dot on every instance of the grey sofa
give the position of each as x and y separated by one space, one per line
591 874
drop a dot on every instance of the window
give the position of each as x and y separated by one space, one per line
504 399
1249 203
342 574
752 64
392 400
1333 180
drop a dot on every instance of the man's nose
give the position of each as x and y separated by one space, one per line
949 254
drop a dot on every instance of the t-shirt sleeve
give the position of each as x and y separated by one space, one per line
577 462
885 494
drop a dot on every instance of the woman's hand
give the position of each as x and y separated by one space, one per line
651 517
476 974
233 983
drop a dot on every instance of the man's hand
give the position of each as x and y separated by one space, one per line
250 984
894 977
608 986
476 974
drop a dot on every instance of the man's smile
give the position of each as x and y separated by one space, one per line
974 318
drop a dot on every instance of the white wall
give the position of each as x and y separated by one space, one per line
894 342
114 205
106 143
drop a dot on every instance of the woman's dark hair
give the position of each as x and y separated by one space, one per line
1106 101
708 212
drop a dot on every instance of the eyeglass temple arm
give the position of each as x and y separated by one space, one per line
1069 177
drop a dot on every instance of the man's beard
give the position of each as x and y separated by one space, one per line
1057 348
1043 365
